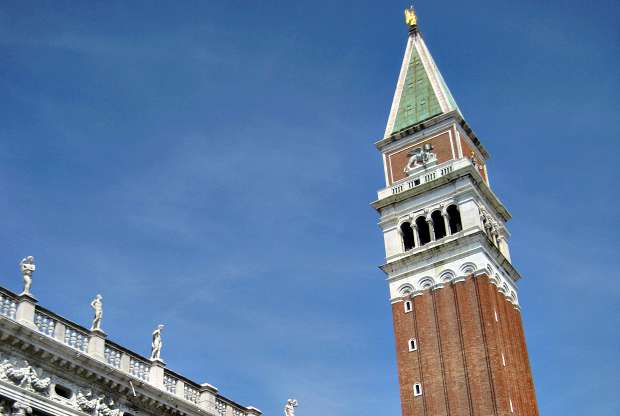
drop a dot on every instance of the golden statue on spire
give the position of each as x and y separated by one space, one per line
410 18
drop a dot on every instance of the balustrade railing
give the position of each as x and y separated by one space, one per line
76 339
220 407
190 394
45 323
139 369
8 306
423 177
112 356
170 384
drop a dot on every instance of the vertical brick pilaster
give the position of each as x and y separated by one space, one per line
473 343
452 352
428 350
494 345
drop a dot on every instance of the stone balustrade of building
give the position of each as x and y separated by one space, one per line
23 309
423 177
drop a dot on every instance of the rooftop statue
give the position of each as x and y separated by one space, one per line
410 18
289 409
27 267
156 344
97 305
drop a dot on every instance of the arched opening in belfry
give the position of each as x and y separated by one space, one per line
438 225
408 239
454 219
424 232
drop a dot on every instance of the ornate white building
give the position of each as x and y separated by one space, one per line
52 366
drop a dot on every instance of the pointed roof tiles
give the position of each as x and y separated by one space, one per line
421 92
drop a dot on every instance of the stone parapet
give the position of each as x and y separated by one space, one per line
74 352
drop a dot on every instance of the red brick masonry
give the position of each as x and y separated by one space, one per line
458 360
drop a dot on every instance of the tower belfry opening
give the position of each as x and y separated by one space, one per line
451 282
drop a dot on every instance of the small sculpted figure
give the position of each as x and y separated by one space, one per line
27 267
157 343
85 402
420 156
40 384
410 17
4 367
289 409
21 409
20 376
97 305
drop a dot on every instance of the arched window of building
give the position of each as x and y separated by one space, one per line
454 218
408 239
424 232
439 225
408 306
413 345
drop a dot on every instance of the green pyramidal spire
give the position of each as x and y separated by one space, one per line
421 92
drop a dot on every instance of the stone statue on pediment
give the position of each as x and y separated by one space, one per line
156 343
289 408
97 305
27 268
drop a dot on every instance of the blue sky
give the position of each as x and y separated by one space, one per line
210 164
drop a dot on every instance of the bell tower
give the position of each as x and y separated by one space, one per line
460 344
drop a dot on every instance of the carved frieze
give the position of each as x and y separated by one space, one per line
20 373
17 409
21 409
25 376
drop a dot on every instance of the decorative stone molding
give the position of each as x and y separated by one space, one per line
439 273
97 406
446 276
426 283
405 290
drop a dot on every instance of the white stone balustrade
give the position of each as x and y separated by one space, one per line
112 356
220 407
139 369
8 305
45 324
423 177
170 384
76 339
190 394
24 310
